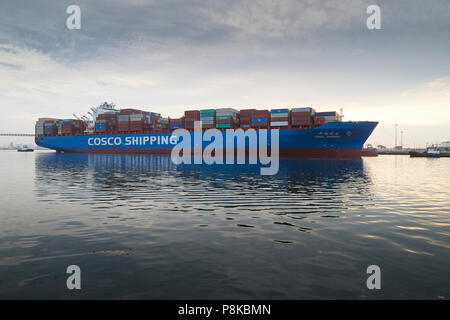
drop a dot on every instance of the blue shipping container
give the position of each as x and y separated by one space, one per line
256 120
279 110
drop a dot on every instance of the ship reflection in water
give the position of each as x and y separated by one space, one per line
153 182
142 227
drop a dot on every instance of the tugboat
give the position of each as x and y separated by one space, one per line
431 152
25 149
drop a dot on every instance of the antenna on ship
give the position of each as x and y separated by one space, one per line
342 113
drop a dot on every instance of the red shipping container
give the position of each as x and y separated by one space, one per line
300 122
300 115
261 114
192 115
246 113
106 116
301 118
130 111
124 126
279 119
224 121
259 125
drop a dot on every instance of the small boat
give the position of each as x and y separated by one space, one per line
430 152
25 149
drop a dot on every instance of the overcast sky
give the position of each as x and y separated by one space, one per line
171 55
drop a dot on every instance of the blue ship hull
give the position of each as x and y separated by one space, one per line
341 139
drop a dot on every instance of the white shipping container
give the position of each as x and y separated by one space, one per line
279 115
207 118
44 119
302 109
234 116
228 110
279 124
135 117
123 117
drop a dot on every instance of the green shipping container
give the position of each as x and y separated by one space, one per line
223 125
223 118
208 113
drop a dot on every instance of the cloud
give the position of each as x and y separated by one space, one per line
240 24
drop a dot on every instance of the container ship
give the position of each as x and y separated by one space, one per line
303 132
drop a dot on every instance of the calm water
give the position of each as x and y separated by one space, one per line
140 227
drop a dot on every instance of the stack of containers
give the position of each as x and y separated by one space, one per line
208 118
39 127
50 128
190 117
226 118
279 118
302 117
130 111
160 125
100 126
176 123
260 119
123 121
245 117
319 120
106 123
78 127
324 117
68 128
149 120
40 124
59 124
137 122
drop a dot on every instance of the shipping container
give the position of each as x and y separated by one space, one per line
310 110
258 120
279 124
192 115
223 112
130 112
207 118
246 112
123 118
223 125
274 111
260 114
207 113
219 118
136 117
280 115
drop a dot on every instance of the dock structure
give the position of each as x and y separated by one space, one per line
17 134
